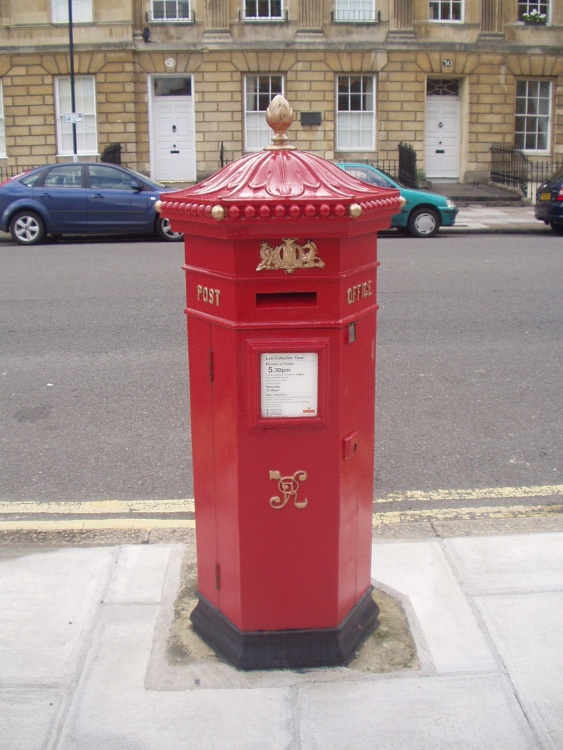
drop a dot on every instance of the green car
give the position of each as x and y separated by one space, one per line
423 213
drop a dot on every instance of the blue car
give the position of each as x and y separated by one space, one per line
81 198
423 213
549 202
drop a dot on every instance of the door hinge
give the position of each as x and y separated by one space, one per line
211 366
217 576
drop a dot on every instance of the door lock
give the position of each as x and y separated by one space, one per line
173 128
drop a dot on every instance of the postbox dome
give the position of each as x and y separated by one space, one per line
280 183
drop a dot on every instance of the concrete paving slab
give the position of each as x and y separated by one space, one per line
420 571
29 718
180 660
139 575
526 629
487 609
112 708
517 563
473 713
48 602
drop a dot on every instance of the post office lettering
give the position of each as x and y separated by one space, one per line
208 295
359 292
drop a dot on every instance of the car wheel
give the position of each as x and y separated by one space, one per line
423 222
164 231
27 228
557 228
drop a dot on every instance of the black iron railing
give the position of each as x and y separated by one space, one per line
407 166
112 153
7 171
514 168
356 16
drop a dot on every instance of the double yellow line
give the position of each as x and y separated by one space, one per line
178 514
484 504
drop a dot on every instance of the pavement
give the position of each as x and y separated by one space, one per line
89 607
86 660
477 219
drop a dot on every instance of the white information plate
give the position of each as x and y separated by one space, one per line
289 384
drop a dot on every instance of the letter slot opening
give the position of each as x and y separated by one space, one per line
286 299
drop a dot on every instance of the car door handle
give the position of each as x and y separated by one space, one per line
97 195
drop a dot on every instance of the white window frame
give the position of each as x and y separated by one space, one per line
86 131
3 152
353 120
177 16
526 6
446 11
257 132
81 11
533 99
252 10
354 11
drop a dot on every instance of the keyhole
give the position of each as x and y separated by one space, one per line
173 128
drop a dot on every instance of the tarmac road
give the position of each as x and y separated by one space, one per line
94 384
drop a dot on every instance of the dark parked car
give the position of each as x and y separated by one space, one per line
549 202
423 213
81 198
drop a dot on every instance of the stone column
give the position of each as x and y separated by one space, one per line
401 21
491 17
310 15
139 19
216 15
217 21
310 21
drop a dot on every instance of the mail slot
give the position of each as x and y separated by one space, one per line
281 267
286 299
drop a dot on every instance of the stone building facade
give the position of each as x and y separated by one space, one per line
182 84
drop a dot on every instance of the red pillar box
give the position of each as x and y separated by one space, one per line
280 251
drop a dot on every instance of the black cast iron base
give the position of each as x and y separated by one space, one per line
286 649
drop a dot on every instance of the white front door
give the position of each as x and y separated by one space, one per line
442 137
172 138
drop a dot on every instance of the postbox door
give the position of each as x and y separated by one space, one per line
201 404
215 446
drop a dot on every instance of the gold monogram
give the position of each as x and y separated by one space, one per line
288 487
288 256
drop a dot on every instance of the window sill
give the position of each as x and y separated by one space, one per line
80 156
175 21
354 150
371 22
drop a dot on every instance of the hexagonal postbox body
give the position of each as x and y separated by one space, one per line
280 251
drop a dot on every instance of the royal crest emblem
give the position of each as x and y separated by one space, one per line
288 487
288 256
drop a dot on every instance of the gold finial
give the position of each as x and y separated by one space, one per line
279 117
